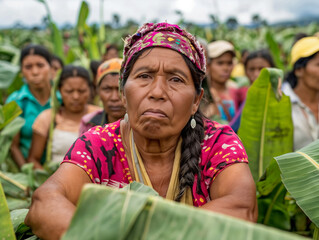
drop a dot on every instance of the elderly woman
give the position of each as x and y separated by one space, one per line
163 141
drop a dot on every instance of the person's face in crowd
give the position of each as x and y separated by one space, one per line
221 67
55 65
75 93
110 97
37 71
111 53
254 67
159 94
309 75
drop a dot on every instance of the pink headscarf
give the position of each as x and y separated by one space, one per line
164 35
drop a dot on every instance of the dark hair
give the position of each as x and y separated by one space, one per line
55 57
262 53
108 47
291 77
192 138
74 71
33 49
94 65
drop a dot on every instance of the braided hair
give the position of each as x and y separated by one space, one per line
191 138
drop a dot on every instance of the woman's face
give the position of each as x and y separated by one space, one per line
109 94
56 66
37 71
254 67
309 75
75 93
221 67
159 94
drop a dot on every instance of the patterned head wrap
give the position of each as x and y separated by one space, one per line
110 66
164 35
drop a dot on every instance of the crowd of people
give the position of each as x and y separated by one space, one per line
147 118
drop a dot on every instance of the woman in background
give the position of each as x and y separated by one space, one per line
108 91
33 97
74 86
303 90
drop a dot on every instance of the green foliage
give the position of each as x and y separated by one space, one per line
266 128
10 125
300 174
120 214
5 221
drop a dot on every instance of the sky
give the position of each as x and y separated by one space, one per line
31 12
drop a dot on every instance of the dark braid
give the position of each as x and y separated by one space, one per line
192 139
191 151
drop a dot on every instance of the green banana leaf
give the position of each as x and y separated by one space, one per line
56 36
6 228
274 49
8 72
82 17
106 213
6 136
300 175
9 112
57 41
266 128
9 53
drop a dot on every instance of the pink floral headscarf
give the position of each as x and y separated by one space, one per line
164 35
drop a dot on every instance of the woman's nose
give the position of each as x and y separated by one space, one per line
158 88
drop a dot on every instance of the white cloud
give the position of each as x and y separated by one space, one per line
31 12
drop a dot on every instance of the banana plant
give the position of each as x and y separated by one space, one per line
5 220
300 175
56 36
127 214
266 128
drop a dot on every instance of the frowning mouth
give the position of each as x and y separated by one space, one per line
155 113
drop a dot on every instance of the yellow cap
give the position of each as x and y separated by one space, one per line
305 47
110 66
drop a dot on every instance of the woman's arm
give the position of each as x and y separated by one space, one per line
16 153
37 148
53 203
233 192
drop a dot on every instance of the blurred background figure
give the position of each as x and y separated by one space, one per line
254 63
223 90
56 64
111 51
303 90
74 86
33 97
108 91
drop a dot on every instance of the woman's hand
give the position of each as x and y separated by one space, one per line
233 193
53 203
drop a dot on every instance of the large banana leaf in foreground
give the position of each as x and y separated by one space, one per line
6 228
266 128
300 175
106 213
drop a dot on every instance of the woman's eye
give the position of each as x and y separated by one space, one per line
143 76
176 79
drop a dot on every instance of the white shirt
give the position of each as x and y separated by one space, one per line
306 127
